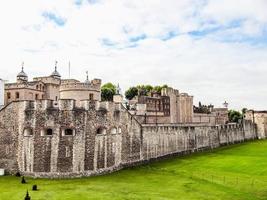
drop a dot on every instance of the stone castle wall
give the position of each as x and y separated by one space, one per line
164 140
9 127
105 137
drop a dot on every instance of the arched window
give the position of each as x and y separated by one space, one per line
101 131
49 131
28 132
37 87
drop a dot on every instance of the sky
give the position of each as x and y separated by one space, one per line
215 50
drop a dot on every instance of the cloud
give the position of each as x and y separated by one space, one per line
215 50
54 18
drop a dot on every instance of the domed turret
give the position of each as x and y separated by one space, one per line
22 76
55 73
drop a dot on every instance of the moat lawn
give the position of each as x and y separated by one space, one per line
233 172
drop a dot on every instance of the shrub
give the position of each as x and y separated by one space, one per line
27 197
23 181
34 187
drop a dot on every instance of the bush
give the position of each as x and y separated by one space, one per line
27 197
34 187
23 181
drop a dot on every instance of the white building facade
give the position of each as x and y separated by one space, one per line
2 88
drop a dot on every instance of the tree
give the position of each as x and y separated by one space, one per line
107 92
234 116
131 93
159 88
23 181
143 90
27 197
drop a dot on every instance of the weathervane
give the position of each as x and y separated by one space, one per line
87 78
55 65
22 65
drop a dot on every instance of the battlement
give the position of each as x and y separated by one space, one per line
70 104
185 95
79 86
47 80
96 81
168 91
116 138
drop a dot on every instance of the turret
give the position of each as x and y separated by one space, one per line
22 76
55 73
118 98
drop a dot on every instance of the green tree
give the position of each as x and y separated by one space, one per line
131 93
143 90
234 116
159 88
107 92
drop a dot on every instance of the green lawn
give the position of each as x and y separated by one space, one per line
234 172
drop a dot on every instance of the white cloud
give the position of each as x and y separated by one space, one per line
206 65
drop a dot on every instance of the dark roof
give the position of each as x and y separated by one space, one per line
55 73
22 73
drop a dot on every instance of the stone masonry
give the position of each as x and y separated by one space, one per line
43 139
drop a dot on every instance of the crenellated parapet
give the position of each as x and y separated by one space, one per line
79 86
46 138
70 104
169 91
80 90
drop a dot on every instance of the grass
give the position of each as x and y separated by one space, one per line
237 172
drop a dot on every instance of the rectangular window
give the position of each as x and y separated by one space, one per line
49 131
17 95
8 95
68 132
91 96
36 96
